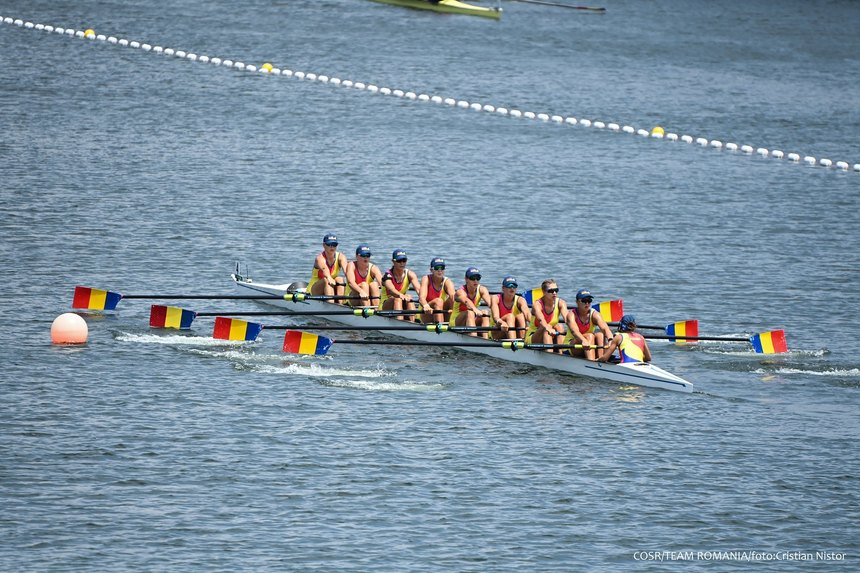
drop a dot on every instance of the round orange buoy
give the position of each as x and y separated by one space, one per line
69 328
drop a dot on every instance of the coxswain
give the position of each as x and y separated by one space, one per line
436 293
327 266
548 312
467 300
509 312
631 345
586 326
362 279
396 283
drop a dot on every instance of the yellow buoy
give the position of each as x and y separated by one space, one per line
69 328
89 32
267 66
658 131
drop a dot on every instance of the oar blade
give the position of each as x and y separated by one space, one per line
772 342
532 295
610 310
161 316
235 329
683 328
298 342
95 299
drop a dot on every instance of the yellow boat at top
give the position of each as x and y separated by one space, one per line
447 7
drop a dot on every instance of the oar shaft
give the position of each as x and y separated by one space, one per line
344 312
646 327
427 327
542 3
677 337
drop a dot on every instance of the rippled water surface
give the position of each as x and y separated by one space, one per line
144 173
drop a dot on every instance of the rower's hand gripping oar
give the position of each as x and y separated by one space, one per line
87 298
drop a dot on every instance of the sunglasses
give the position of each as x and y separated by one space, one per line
510 285
330 244
365 256
474 277
552 290
400 260
586 300
439 268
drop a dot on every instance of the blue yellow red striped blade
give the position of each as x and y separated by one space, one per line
771 342
235 329
161 316
532 295
683 328
298 342
95 299
610 310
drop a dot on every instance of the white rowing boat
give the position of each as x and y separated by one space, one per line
640 373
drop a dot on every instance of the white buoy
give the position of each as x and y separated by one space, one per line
793 157
557 118
687 138
672 136
135 44
732 146
543 116
628 129
148 48
371 88
344 83
251 68
111 39
489 108
159 50
502 110
747 149
450 101
716 144
613 126
701 141
463 104
824 162
777 154
216 61
436 99
423 97
857 167
599 124
100 37
180 53
762 151
69 328
276 71
529 115
333 81
843 165
385 91
809 160
477 107
171 51
410 95
585 122
570 120
356 85
516 113
324 79
643 132
79 33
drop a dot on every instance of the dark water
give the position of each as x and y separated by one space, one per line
145 173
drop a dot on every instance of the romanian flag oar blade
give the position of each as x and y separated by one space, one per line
532 295
298 342
161 316
681 329
610 310
772 342
235 329
95 299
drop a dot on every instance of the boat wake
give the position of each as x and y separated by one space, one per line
830 372
177 339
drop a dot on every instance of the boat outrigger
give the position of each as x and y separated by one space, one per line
447 7
638 373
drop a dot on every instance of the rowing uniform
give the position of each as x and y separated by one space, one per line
461 306
632 347
334 270
505 311
400 287
359 279
433 293
582 326
551 319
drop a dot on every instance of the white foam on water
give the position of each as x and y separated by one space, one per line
178 340
391 386
315 370
849 373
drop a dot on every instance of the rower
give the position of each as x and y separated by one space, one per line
467 299
548 312
632 346
327 266
436 294
363 279
586 326
509 311
396 283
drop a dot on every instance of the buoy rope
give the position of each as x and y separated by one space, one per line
268 69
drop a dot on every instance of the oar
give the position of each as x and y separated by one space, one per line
175 317
298 342
438 327
541 2
681 330
771 342
97 299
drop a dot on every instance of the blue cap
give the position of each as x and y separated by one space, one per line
583 294
330 239
509 282
437 262
627 322
398 255
362 251
473 273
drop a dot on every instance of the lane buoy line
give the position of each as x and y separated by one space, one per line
656 132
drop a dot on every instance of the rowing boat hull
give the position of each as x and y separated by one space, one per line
447 7
640 374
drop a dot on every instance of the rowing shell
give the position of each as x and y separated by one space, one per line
447 7
638 373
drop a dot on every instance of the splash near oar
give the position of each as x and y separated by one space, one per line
236 329
170 317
